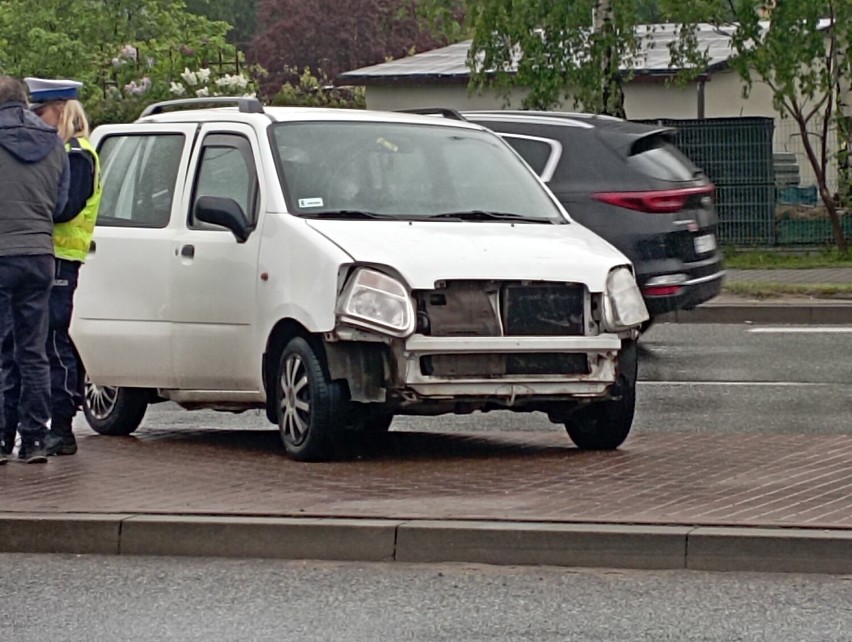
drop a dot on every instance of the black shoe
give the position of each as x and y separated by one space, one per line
60 444
7 444
33 452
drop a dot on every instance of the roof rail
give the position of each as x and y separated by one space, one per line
436 111
246 105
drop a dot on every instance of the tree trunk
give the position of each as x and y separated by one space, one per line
612 92
822 186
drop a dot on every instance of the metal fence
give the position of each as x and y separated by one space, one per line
766 192
800 216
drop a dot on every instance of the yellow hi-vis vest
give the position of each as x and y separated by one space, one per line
71 239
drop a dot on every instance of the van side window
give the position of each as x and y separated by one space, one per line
226 169
149 164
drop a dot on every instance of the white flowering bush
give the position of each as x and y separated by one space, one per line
138 75
204 82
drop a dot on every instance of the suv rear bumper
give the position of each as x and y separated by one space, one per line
692 292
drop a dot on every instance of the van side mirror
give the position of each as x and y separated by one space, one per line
224 212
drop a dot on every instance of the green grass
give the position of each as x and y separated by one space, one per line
743 259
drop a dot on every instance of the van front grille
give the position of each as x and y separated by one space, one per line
512 308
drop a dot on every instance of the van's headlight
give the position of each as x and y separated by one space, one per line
623 304
377 302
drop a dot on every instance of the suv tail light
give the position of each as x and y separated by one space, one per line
666 201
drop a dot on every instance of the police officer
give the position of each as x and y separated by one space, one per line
56 103
34 184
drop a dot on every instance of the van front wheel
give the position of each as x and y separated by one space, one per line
308 404
604 425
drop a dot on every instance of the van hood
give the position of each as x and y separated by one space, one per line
423 252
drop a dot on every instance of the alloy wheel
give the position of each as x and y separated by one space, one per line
100 399
295 400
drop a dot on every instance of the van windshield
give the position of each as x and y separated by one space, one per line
376 170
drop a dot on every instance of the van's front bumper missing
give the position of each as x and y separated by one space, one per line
509 367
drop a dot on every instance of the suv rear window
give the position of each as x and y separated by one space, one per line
654 156
535 152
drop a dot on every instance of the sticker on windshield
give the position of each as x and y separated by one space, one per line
310 202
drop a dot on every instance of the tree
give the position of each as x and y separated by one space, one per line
240 14
801 50
581 51
317 35
126 52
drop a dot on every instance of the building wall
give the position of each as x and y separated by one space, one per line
722 99
454 96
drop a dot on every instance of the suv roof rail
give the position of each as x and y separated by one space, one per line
446 112
246 105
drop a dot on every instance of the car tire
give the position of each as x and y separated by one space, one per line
113 411
604 425
307 402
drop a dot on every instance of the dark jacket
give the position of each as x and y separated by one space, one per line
82 184
34 178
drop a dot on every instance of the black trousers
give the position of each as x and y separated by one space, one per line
65 388
26 283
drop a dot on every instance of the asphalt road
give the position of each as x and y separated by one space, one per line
111 599
717 378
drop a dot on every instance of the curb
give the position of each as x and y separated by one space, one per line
764 312
705 548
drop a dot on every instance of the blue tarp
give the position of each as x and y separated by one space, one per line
798 195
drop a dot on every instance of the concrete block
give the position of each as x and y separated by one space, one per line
744 313
79 533
278 538
596 545
840 314
770 550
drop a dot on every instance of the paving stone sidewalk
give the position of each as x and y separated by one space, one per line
672 479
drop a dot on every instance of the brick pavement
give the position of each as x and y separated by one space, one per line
674 479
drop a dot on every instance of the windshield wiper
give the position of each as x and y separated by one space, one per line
482 215
344 214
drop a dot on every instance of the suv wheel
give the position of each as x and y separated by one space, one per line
113 411
307 402
604 425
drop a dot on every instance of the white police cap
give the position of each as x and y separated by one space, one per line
43 90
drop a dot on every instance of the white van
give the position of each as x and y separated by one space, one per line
337 268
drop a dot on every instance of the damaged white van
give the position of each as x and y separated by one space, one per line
337 268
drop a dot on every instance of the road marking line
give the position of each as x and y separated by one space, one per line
774 384
803 329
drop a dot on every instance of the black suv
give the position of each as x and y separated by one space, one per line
630 184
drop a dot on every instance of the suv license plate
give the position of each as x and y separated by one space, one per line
705 244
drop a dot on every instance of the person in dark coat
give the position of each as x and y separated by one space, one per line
34 179
56 102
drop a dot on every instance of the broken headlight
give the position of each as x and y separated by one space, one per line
376 301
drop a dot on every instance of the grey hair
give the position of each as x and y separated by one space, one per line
12 90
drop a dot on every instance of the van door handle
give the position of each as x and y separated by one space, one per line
187 251
92 246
